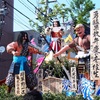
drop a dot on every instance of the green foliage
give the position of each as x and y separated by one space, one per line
50 96
80 10
54 68
96 97
46 96
59 11
2 91
6 96
45 19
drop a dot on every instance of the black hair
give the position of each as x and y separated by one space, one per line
57 22
33 95
20 37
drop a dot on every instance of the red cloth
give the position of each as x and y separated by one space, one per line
56 34
2 81
58 46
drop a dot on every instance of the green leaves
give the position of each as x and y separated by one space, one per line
78 11
81 10
54 68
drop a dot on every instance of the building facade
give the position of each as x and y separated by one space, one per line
6 35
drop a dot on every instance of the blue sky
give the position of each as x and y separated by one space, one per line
22 23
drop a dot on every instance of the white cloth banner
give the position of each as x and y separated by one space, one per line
95 45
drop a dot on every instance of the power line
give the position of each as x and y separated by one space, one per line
58 3
36 8
68 2
19 11
15 14
39 10
16 21
23 3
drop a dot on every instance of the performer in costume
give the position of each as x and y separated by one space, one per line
81 42
20 50
56 32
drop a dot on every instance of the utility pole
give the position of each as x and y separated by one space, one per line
48 10
47 4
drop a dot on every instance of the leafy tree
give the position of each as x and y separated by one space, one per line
80 10
58 11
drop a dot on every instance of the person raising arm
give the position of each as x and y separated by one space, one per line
82 41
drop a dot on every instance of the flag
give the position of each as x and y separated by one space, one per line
69 38
39 61
49 57
87 88
40 58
